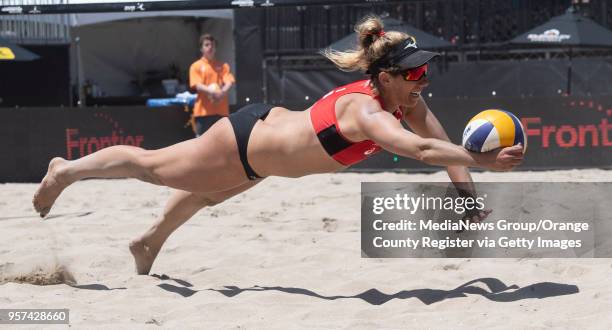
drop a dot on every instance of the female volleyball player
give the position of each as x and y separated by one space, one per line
344 127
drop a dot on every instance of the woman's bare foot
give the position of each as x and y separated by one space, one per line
144 256
51 187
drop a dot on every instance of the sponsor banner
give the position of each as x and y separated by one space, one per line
562 132
33 136
552 36
525 220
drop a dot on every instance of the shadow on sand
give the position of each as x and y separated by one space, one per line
165 277
96 287
495 290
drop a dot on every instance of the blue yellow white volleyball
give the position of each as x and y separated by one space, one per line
492 129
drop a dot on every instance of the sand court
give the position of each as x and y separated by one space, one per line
284 254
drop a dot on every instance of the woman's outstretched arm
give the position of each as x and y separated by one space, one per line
382 128
424 123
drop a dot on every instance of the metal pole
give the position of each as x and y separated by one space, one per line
264 69
79 73
569 73
71 56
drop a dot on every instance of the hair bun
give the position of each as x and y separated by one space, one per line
369 49
369 30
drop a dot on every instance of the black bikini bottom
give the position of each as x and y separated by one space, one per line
243 121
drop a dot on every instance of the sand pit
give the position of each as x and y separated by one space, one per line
283 255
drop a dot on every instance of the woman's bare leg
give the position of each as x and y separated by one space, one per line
208 163
113 162
180 208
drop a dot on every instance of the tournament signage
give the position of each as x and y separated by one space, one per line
98 132
552 35
561 133
570 29
586 133
33 136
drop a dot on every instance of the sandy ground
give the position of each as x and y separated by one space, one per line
283 255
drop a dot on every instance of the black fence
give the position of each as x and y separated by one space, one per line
461 22
283 45
288 83
31 137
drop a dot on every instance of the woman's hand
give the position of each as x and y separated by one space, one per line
476 216
502 159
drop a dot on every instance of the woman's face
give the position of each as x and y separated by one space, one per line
407 93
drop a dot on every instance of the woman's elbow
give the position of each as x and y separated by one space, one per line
425 152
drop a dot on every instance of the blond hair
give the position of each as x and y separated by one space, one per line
372 45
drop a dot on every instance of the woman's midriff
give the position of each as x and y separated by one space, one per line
285 144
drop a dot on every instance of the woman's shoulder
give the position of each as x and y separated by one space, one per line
361 103
363 86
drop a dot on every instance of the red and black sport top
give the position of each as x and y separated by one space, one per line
325 123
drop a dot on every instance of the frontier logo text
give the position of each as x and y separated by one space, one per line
79 145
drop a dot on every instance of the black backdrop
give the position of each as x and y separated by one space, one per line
562 132
43 82
33 136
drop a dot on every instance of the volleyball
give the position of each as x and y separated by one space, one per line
492 129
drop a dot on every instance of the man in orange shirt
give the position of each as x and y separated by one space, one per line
212 80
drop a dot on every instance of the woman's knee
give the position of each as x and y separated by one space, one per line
207 200
184 206
214 198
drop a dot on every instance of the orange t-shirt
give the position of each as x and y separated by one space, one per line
208 72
